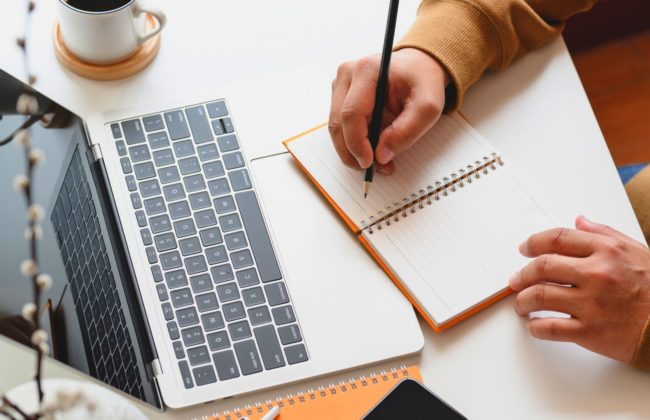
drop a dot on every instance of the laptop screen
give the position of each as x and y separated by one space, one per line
91 312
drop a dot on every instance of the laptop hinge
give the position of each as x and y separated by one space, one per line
156 367
97 151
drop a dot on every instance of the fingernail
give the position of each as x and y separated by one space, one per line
382 169
384 155
362 163
514 280
523 247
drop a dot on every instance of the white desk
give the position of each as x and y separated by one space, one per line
286 54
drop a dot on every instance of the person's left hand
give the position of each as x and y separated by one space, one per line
597 275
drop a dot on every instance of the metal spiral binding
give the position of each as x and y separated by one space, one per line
426 196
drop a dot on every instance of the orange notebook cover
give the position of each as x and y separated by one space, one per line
438 327
347 400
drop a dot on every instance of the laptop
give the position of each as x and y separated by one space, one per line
185 272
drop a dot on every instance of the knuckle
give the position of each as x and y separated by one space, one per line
343 69
559 235
334 127
365 63
615 247
540 295
349 114
541 265
430 107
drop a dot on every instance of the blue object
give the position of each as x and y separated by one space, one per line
627 172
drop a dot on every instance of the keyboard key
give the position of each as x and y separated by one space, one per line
233 160
195 264
144 171
169 174
228 143
253 296
233 311
181 298
179 210
160 223
139 153
183 148
247 277
190 246
153 123
165 242
216 255
162 292
189 165
217 109
227 125
115 129
175 279
154 206
130 183
194 183
218 187
230 222
213 169
228 292
206 302
199 124
163 157
217 128
121 148
267 340
200 200
283 315
218 341
205 218
172 327
226 365
240 180
201 283
208 152
296 354
152 257
170 260
141 218
187 317
168 312
156 272
185 374
221 273
192 336
184 228
276 293
158 140
204 375
198 356
289 334
210 237
176 125
126 167
258 236
249 359
239 330
212 321
235 241
241 259
149 188
179 350
174 192
225 204
133 131
259 315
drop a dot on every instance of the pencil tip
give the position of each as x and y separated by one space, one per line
366 188
365 195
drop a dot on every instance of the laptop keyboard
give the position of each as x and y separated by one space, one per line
111 357
220 287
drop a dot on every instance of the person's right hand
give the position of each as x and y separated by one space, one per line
414 102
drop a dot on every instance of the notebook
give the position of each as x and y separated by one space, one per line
445 226
346 400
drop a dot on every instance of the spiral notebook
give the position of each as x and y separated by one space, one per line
349 399
445 226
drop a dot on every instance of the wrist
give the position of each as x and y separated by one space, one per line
430 62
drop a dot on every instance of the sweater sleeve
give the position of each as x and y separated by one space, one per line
469 37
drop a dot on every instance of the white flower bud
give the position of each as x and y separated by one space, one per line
28 311
35 213
27 104
44 281
28 268
36 156
45 348
21 138
39 336
21 182
91 406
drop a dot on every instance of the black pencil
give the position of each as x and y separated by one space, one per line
380 95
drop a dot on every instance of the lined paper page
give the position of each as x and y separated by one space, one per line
461 250
449 146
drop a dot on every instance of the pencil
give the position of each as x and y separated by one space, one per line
380 95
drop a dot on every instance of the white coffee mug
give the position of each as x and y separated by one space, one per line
109 36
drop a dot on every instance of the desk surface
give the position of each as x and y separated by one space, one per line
285 54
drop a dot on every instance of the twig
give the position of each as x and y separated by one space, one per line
28 123
15 407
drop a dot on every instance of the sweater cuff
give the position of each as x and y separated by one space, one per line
642 356
461 37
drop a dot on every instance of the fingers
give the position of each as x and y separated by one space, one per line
340 88
556 329
562 241
548 297
546 268
586 225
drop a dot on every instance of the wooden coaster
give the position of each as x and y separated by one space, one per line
140 59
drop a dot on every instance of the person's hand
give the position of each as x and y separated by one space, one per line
414 102
597 275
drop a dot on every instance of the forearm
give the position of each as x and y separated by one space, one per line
469 37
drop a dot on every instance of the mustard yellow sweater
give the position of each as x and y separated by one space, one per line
469 37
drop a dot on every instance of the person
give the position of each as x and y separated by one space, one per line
449 46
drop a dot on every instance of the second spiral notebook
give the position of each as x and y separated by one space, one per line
445 226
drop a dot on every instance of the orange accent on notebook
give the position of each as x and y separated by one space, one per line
347 400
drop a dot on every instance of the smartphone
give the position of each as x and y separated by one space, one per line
411 400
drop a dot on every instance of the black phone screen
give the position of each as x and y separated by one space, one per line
410 400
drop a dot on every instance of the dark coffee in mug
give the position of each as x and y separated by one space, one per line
95 6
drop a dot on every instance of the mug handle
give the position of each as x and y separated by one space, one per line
156 13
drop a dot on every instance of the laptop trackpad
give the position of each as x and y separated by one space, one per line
345 304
